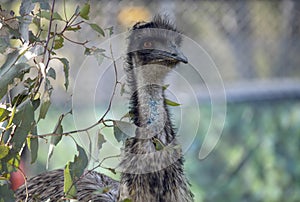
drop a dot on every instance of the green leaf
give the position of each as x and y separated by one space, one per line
4 44
4 150
80 162
123 130
9 62
37 22
9 71
58 42
51 73
44 4
25 117
85 10
165 86
13 112
55 139
33 145
171 103
69 187
32 38
45 105
158 144
99 57
73 171
66 71
98 53
97 29
47 15
4 114
57 130
6 193
36 101
100 140
87 51
10 162
127 200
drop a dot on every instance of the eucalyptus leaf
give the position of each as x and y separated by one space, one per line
6 193
11 59
171 103
47 15
15 71
58 42
100 140
55 139
10 162
158 144
26 115
13 112
66 71
45 105
73 171
4 150
4 44
69 187
123 130
85 10
51 73
44 4
33 144
4 114
97 28
165 86
80 162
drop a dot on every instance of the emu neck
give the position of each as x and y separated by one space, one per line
150 173
152 113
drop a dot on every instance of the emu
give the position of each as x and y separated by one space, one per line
152 160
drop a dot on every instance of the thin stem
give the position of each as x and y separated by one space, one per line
49 30
76 42
52 45
78 23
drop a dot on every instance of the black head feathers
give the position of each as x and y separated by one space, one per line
158 22
160 28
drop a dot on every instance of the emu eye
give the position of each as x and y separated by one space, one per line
148 44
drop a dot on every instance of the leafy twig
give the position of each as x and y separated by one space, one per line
102 119
49 30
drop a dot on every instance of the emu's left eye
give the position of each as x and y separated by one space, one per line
148 44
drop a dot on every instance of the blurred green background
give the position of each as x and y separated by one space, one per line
255 45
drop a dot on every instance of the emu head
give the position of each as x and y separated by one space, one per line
155 43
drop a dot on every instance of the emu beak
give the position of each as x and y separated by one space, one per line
175 54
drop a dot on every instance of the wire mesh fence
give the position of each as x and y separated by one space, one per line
248 40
